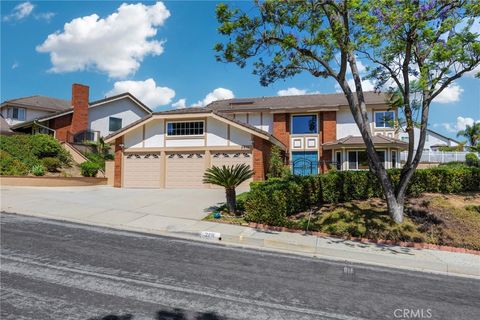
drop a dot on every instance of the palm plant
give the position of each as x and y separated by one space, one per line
228 177
471 133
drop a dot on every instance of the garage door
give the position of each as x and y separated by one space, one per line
142 170
185 170
232 158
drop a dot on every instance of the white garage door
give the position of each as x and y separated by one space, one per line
185 170
232 158
142 170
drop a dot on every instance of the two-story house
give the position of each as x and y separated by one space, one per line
76 120
316 132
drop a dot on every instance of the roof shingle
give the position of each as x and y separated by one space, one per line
293 102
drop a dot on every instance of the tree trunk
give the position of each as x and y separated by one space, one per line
231 200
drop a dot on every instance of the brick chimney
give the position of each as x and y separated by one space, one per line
80 108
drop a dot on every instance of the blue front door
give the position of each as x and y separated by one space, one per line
305 163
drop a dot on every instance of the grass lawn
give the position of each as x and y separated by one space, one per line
451 220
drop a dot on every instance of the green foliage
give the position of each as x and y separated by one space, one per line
227 176
472 160
44 145
471 133
51 164
31 149
89 169
451 149
38 170
273 200
276 167
10 166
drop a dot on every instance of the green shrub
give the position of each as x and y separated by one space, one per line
19 147
273 200
44 145
38 170
30 149
89 169
10 166
472 160
51 164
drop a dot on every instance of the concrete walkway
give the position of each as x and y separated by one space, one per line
177 213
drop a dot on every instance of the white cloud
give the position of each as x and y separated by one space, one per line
180 104
15 65
217 94
294 92
47 16
147 91
115 45
474 72
461 124
367 85
20 11
449 94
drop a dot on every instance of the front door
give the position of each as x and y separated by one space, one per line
305 162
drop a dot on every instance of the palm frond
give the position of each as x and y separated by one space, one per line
227 176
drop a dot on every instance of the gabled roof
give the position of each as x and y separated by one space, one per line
417 126
92 104
331 100
196 111
358 141
39 102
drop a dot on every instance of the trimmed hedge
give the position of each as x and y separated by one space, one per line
273 200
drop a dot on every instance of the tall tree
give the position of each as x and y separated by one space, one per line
472 134
426 41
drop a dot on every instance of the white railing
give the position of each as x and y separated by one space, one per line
438 156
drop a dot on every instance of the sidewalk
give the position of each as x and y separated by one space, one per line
433 261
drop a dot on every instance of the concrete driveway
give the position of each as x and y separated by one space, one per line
106 203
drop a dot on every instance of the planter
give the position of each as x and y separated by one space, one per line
28 181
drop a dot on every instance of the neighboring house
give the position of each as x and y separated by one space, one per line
433 140
20 110
77 120
172 149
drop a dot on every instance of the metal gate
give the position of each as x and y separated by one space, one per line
305 163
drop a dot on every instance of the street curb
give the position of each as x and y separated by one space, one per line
249 242
407 244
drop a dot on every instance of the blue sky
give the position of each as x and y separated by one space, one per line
161 52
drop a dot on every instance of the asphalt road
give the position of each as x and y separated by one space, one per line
55 270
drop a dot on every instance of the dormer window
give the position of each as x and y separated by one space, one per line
16 113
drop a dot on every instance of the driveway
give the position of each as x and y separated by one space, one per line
106 203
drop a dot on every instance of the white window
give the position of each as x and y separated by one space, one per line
384 119
358 160
16 113
185 128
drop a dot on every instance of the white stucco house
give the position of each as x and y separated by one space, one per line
433 140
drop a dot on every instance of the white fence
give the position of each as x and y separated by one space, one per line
438 156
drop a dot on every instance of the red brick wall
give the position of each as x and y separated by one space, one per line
61 125
80 108
261 154
117 175
329 133
281 128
